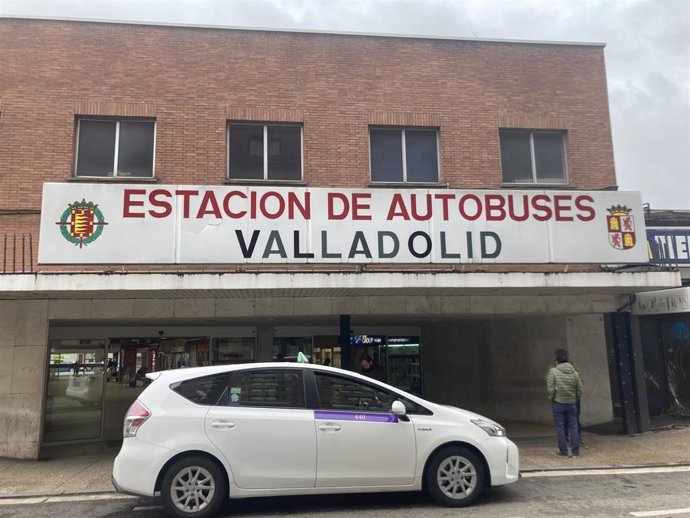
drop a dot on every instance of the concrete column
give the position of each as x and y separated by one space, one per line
450 363
264 343
23 356
586 347
344 342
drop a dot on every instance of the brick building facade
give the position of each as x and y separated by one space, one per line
471 321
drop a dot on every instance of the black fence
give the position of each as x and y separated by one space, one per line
17 253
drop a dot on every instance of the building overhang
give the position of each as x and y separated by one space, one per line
321 284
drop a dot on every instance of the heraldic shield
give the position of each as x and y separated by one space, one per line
81 223
621 227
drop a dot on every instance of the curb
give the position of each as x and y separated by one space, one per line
83 492
607 467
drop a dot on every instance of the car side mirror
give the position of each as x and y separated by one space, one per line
398 408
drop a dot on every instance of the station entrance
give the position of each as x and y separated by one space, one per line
93 381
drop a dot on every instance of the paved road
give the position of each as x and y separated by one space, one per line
622 493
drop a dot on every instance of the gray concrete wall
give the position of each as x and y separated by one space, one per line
497 367
23 350
450 363
587 349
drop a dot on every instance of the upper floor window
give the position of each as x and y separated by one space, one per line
115 148
264 151
403 155
533 156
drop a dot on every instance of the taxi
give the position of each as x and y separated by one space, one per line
199 436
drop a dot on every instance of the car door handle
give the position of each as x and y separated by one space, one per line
223 424
330 427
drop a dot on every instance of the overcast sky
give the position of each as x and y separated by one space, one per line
647 54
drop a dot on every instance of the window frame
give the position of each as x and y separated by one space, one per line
117 121
265 126
403 143
235 374
532 155
396 395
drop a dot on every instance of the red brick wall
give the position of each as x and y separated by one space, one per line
193 80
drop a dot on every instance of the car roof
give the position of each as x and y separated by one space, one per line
175 375
194 372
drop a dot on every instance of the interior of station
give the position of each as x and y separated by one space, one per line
493 366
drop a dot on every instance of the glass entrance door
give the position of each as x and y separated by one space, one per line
404 369
137 357
326 350
74 399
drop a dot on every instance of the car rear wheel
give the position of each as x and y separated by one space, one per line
455 477
193 487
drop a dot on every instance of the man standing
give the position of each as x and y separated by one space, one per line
564 389
369 368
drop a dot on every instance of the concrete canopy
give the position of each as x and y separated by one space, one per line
318 284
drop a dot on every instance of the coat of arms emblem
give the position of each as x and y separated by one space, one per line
621 227
81 223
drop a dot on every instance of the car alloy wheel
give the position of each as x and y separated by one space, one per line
455 476
193 487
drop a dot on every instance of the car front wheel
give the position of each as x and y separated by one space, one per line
193 487
455 477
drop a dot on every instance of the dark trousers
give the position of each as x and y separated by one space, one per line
579 426
565 417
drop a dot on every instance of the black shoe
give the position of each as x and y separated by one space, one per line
559 454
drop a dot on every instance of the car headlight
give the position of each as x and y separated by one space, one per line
493 429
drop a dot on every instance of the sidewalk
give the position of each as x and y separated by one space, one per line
91 473
663 447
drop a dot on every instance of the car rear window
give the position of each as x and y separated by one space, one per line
205 390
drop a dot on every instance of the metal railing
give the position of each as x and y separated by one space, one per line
17 253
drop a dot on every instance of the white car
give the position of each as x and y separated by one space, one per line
201 435
86 387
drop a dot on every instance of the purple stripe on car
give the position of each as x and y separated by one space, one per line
369 417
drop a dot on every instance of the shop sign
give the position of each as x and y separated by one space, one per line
669 245
166 224
367 340
676 300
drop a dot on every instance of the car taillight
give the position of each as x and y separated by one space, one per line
136 416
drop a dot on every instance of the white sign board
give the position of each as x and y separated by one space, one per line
182 224
676 300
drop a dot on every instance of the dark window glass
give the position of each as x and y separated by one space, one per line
275 388
135 155
516 158
203 391
422 156
338 393
386 155
548 154
96 153
284 153
246 152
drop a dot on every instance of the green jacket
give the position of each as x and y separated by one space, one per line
563 384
